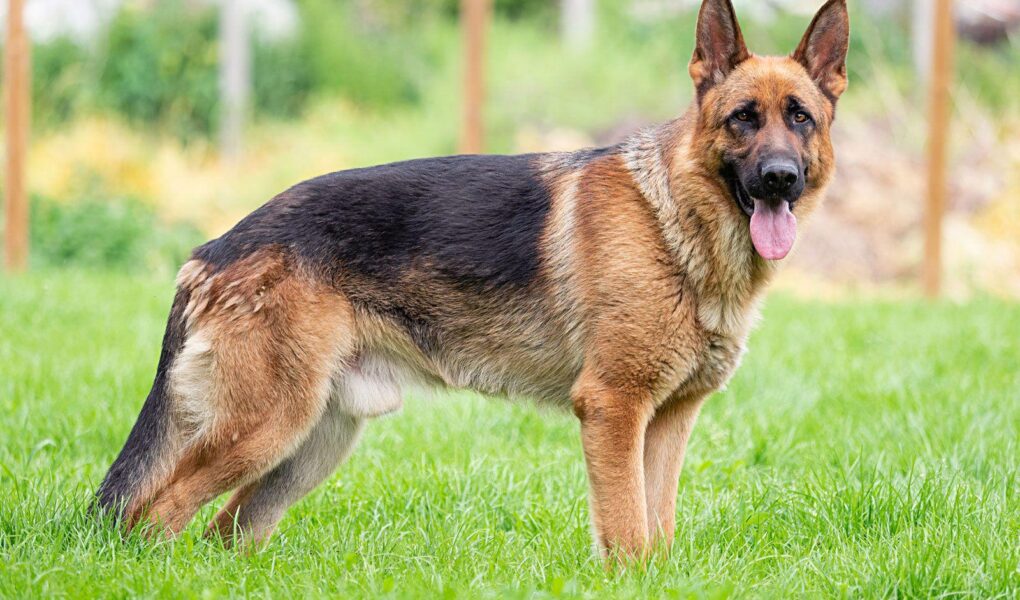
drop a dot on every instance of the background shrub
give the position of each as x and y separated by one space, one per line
402 10
119 234
360 57
282 79
160 66
60 73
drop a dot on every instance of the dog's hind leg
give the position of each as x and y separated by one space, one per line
271 339
252 513
368 387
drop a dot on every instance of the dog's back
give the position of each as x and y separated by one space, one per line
475 220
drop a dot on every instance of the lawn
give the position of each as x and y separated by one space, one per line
864 449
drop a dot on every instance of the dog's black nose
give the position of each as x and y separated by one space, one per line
779 176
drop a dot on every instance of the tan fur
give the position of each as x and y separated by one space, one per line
255 374
665 446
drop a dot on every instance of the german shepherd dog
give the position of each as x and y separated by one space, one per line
620 282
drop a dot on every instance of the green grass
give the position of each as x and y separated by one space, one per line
864 450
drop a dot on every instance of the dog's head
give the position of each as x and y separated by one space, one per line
763 122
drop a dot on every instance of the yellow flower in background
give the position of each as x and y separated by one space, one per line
91 157
99 158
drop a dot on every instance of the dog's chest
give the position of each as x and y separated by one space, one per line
725 324
716 358
720 357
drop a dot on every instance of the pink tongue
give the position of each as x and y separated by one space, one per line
773 229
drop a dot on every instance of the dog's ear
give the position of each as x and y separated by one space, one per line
719 45
824 47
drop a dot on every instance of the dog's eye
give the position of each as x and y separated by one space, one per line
746 116
801 117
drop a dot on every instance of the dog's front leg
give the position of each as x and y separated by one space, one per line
613 423
665 446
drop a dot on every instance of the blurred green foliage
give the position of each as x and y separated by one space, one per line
992 76
158 65
412 11
161 67
59 72
370 64
282 81
121 234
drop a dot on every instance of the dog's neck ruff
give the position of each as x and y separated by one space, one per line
719 265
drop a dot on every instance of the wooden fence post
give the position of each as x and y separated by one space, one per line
16 89
474 18
940 83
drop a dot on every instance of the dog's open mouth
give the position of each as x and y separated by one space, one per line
740 194
773 226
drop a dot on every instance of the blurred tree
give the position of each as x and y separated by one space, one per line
159 67
366 62
922 20
403 11
60 74
577 23
235 75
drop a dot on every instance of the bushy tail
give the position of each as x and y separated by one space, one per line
149 449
